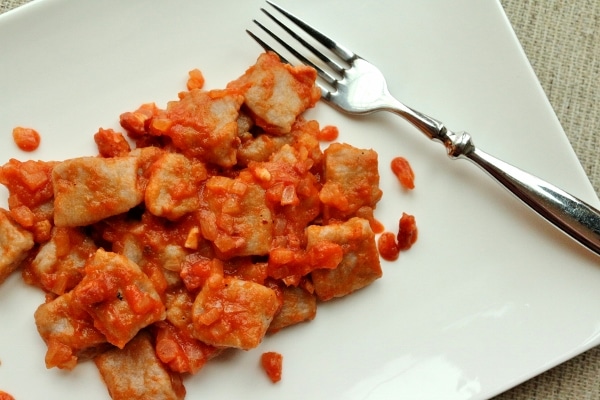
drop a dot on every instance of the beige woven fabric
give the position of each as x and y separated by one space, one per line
562 41
6 5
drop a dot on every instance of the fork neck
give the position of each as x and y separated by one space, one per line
457 144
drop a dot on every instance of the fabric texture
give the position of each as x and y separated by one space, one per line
561 38
562 41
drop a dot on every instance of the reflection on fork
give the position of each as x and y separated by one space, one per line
353 85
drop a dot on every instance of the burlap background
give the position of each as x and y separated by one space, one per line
562 41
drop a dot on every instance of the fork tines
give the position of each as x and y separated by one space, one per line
335 48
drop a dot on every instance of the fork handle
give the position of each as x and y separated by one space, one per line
573 216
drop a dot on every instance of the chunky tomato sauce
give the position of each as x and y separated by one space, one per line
202 226
5 396
195 80
388 247
407 232
30 194
329 133
404 172
26 139
391 244
272 363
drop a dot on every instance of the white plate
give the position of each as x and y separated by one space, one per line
490 295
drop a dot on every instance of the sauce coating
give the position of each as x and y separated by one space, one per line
222 221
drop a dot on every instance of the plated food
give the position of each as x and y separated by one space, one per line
444 301
217 221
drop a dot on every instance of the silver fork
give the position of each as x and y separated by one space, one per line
361 89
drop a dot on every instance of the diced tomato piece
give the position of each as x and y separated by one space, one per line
329 133
196 79
272 363
407 232
387 246
111 143
403 171
26 139
5 396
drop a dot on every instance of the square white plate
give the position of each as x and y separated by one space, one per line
490 295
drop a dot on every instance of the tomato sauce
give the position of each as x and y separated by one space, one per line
387 246
407 232
403 171
195 80
329 133
272 363
179 351
26 139
111 143
390 245
215 244
5 396
30 195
